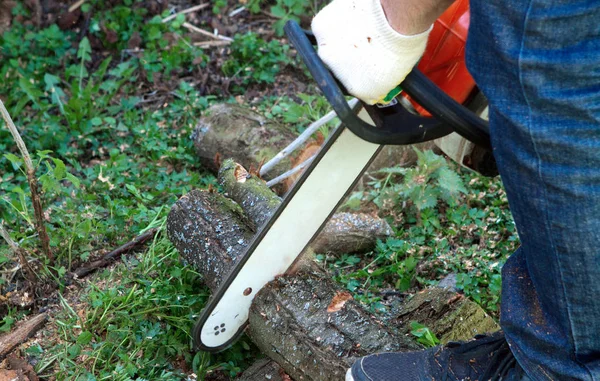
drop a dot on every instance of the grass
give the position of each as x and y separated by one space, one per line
110 132
133 321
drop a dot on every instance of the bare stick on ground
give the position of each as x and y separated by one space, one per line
195 8
113 255
22 332
33 186
194 28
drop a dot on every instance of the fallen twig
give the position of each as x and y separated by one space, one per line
35 196
211 44
110 257
205 33
301 139
291 172
237 11
185 11
76 5
22 332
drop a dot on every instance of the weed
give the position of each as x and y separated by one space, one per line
255 61
423 335
134 323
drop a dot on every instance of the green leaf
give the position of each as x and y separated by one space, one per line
84 338
14 159
7 324
74 180
424 334
278 11
28 88
424 197
450 181
60 170
85 50
74 351
56 93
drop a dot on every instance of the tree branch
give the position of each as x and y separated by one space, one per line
35 196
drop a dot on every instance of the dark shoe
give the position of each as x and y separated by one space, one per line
482 359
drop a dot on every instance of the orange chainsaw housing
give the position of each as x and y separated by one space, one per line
444 59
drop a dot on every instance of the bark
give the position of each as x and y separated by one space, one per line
290 322
264 369
210 231
232 131
249 191
351 232
18 335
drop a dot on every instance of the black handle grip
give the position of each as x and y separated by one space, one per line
394 124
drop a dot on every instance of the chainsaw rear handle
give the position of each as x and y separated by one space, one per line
394 124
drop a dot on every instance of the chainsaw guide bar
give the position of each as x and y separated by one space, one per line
302 214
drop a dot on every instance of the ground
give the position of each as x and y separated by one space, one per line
106 97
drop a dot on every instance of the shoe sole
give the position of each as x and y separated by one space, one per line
349 375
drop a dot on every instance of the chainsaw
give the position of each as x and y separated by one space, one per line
422 112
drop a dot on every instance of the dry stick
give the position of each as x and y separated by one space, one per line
291 172
203 32
188 10
35 196
110 257
301 139
20 252
22 332
235 12
211 44
76 5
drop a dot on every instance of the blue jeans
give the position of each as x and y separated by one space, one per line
538 62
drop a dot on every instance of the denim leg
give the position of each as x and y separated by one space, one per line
538 62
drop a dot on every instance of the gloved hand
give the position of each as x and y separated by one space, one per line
362 50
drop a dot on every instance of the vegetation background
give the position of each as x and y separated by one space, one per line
106 95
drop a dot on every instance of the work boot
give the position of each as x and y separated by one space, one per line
482 359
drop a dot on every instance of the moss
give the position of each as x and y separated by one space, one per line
465 322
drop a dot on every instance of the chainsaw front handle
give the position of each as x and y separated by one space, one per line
395 125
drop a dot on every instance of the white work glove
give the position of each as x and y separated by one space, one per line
362 50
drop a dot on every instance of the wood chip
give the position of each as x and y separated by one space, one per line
338 301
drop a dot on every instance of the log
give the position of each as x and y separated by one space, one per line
350 233
291 322
233 131
303 321
210 231
343 233
20 333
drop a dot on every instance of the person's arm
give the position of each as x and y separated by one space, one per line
371 45
410 17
